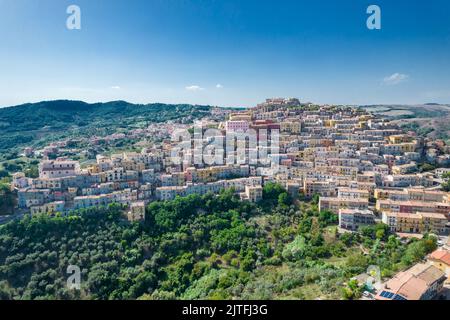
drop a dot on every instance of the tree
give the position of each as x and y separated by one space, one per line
315 199
32 172
283 199
446 184
352 291
327 217
356 263
271 191
7 199
199 247
427 167
376 231
6 293
4 173
380 233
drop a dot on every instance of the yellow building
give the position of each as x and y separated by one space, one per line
440 258
241 116
408 147
95 168
420 222
399 138
415 194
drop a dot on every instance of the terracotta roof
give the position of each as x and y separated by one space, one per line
413 289
412 283
441 255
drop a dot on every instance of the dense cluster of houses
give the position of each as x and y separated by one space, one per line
363 168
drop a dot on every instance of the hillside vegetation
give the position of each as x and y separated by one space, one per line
428 120
31 124
197 247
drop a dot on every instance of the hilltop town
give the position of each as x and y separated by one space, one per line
360 167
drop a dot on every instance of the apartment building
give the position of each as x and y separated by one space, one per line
237 126
239 185
420 222
123 196
252 193
34 197
52 183
49 169
323 188
412 206
353 193
406 180
334 204
215 173
291 127
404 168
352 219
19 181
48 208
415 194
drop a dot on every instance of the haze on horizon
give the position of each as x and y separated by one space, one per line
226 53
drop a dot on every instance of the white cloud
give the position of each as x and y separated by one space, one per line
395 78
194 88
219 86
115 87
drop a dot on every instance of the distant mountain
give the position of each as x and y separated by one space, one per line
24 124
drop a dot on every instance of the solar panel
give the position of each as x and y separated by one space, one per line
386 294
398 297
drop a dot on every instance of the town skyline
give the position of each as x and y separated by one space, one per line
226 107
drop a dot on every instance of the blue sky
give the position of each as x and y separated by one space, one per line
225 52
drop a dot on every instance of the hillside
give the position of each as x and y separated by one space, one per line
29 123
431 120
197 247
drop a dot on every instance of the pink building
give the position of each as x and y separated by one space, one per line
237 126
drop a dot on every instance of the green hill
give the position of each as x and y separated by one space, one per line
28 124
